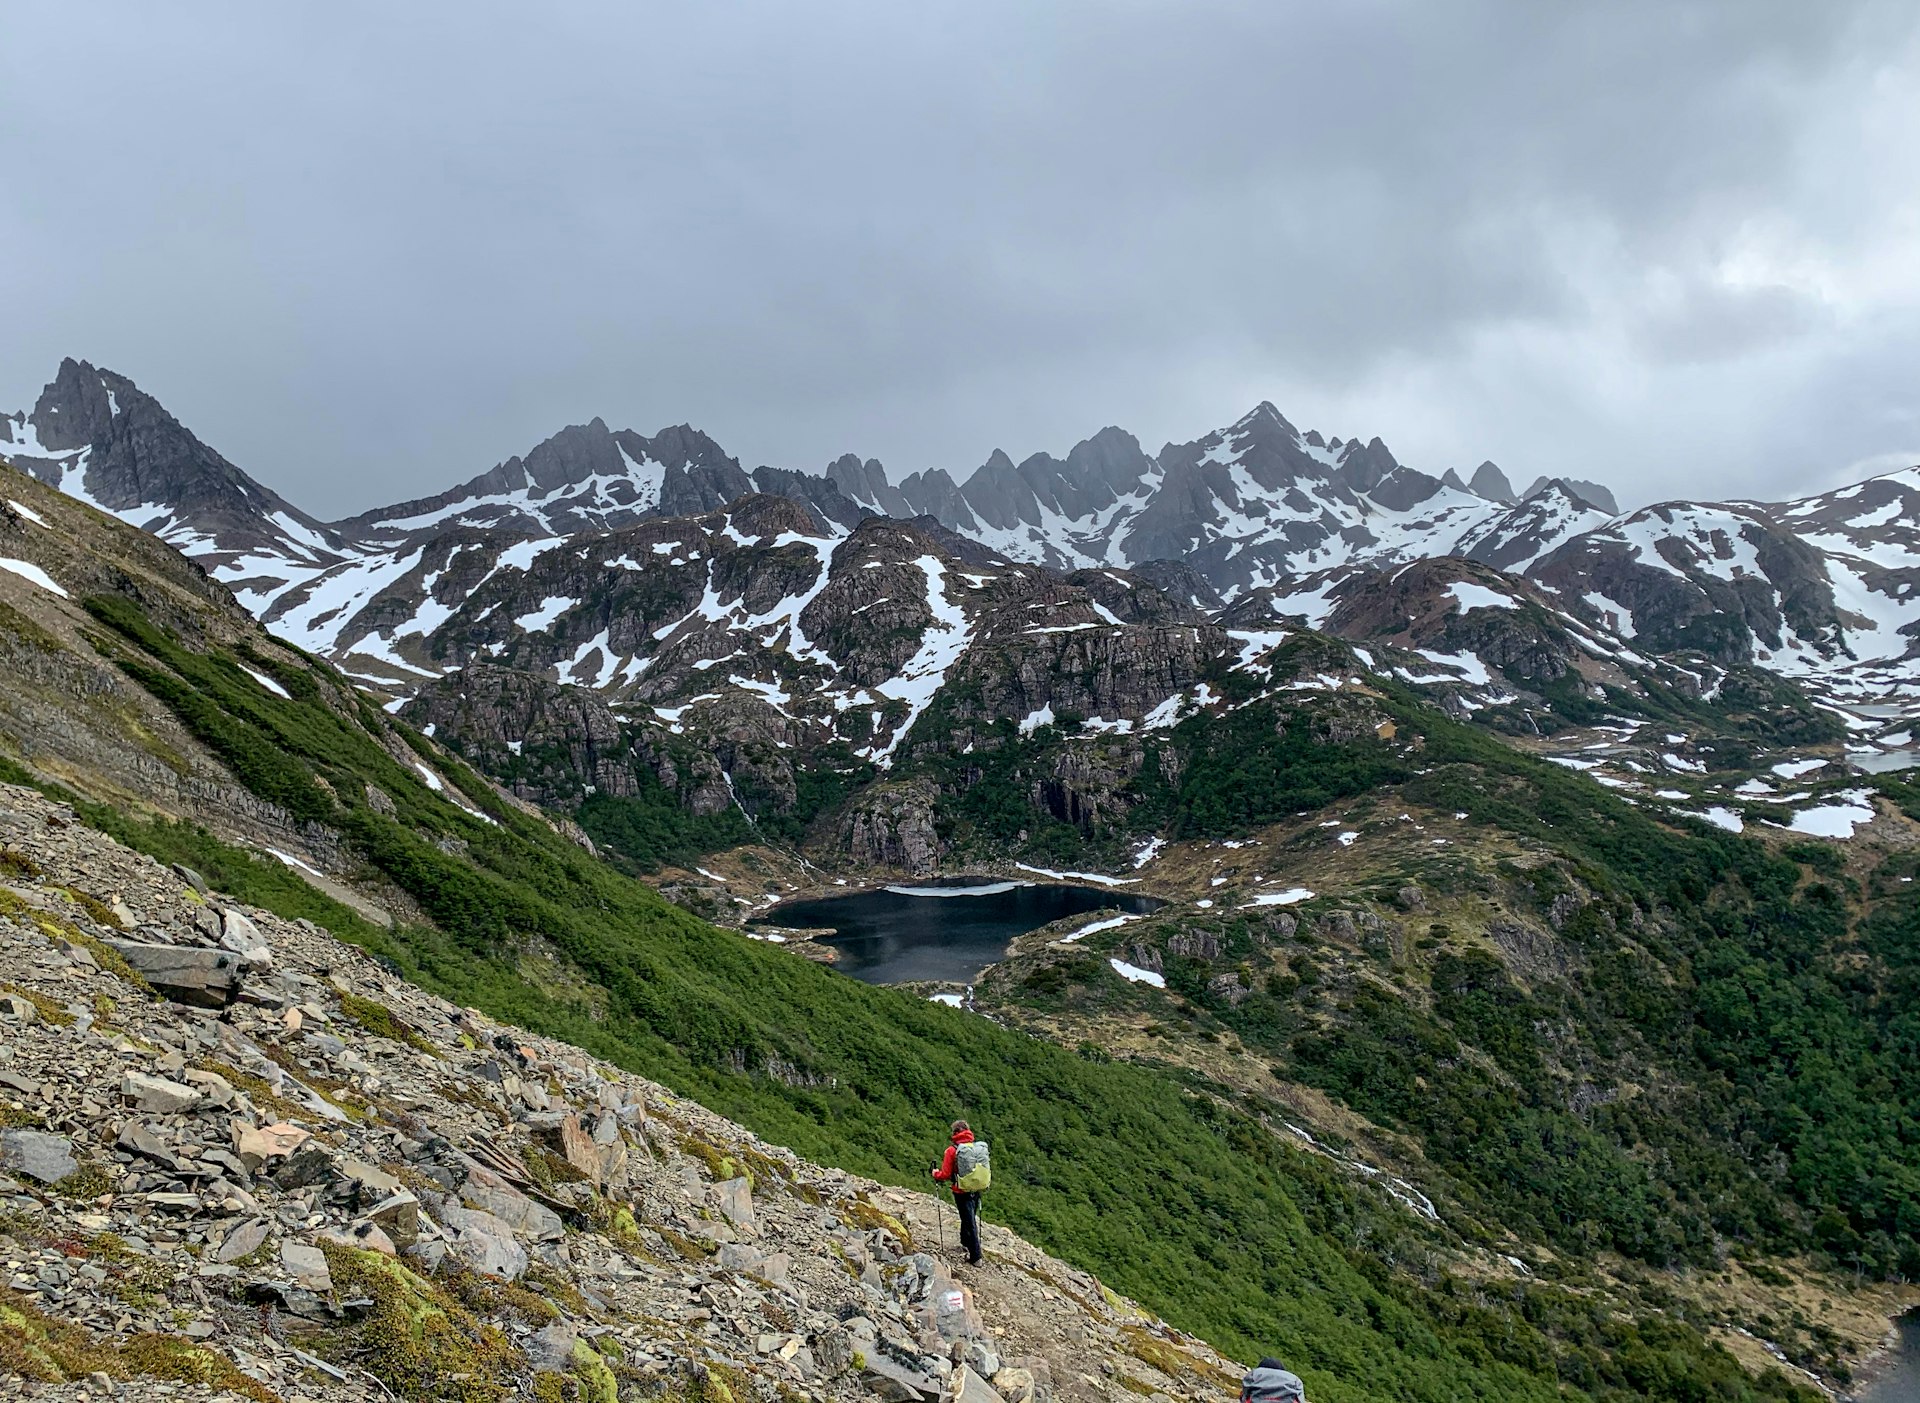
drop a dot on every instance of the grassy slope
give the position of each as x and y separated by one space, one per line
1188 1207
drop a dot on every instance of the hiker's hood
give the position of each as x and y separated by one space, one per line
963 1137
1271 1385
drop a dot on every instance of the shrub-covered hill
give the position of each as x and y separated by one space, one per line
1178 1198
1614 1032
1586 1029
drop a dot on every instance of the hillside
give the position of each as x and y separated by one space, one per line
153 698
338 1186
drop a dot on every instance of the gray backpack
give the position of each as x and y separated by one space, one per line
972 1167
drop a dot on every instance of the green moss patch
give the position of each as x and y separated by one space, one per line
418 1339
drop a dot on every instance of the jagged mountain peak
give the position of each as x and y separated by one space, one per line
96 435
77 405
1489 482
867 486
585 477
1591 493
1265 413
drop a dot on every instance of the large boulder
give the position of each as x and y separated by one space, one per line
492 1194
485 1243
37 1155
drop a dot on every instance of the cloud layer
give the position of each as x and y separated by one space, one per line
367 250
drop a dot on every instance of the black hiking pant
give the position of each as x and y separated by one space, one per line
968 1207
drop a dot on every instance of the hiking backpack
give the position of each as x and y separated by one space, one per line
972 1167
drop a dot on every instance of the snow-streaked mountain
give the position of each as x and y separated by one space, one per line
587 477
1258 517
1247 506
1514 539
98 437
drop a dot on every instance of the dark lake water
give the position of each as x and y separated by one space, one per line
940 931
1900 1382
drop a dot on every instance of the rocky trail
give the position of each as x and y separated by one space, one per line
239 1159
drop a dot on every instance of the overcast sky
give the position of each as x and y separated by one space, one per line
369 250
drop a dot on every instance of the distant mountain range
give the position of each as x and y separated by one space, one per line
635 565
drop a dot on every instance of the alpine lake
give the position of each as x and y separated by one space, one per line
940 931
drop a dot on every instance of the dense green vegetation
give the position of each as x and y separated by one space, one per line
652 828
1772 1044
1776 1106
1187 1205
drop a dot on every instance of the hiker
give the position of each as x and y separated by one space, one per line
967 1169
1269 1383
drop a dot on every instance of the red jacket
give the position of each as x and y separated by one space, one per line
945 1172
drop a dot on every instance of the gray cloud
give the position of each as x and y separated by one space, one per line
367 250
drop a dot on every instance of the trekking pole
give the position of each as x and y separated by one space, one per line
940 1220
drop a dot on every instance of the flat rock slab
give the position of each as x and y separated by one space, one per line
307 1265
258 1145
485 1243
734 1198
969 1387
242 1241
492 1194
156 1094
186 974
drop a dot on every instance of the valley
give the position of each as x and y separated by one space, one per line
1490 956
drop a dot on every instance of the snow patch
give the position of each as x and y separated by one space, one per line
541 619
1110 923
1094 877
268 683
1280 898
1793 769
33 574
1835 820
1470 596
1134 974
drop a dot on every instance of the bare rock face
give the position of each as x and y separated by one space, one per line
1087 782
544 740
891 825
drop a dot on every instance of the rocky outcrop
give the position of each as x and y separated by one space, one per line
543 741
891 825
